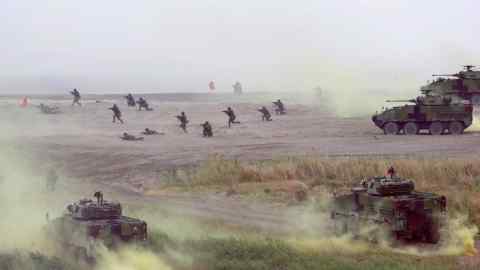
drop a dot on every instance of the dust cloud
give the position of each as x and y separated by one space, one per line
318 233
130 259
23 200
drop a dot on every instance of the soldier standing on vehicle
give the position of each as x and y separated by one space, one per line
99 196
231 117
391 172
280 108
117 114
76 97
207 129
266 116
183 121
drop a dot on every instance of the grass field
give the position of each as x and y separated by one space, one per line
222 248
457 179
234 253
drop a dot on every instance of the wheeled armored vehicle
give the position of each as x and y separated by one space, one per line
464 84
437 114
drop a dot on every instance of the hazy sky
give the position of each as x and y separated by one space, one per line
180 45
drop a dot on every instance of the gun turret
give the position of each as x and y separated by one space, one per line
426 91
458 75
402 100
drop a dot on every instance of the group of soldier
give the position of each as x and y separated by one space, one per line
141 102
279 110
182 118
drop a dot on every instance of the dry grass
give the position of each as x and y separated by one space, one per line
458 179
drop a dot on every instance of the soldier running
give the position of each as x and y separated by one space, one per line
266 116
117 114
76 97
231 117
207 129
280 108
183 121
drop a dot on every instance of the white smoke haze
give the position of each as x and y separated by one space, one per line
316 231
130 259
23 203
157 46
359 53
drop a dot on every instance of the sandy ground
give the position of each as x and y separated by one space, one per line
86 142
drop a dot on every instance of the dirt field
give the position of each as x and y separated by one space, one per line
83 144
86 142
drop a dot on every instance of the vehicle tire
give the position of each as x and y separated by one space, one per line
436 128
456 128
432 235
475 100
390 128
410 128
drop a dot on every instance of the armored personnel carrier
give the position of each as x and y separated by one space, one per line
88 223
437 114
391 206
464 84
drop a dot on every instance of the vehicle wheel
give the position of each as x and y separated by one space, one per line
411 128
390 128
476 100
455 128
436 128
432 235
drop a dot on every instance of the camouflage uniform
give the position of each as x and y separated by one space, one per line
116 113
183 121
280 108
231 117
130 100
76 97
143 104
207 129
266 116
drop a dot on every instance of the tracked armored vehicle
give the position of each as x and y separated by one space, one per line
437 114
88 223
389 205
464 84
